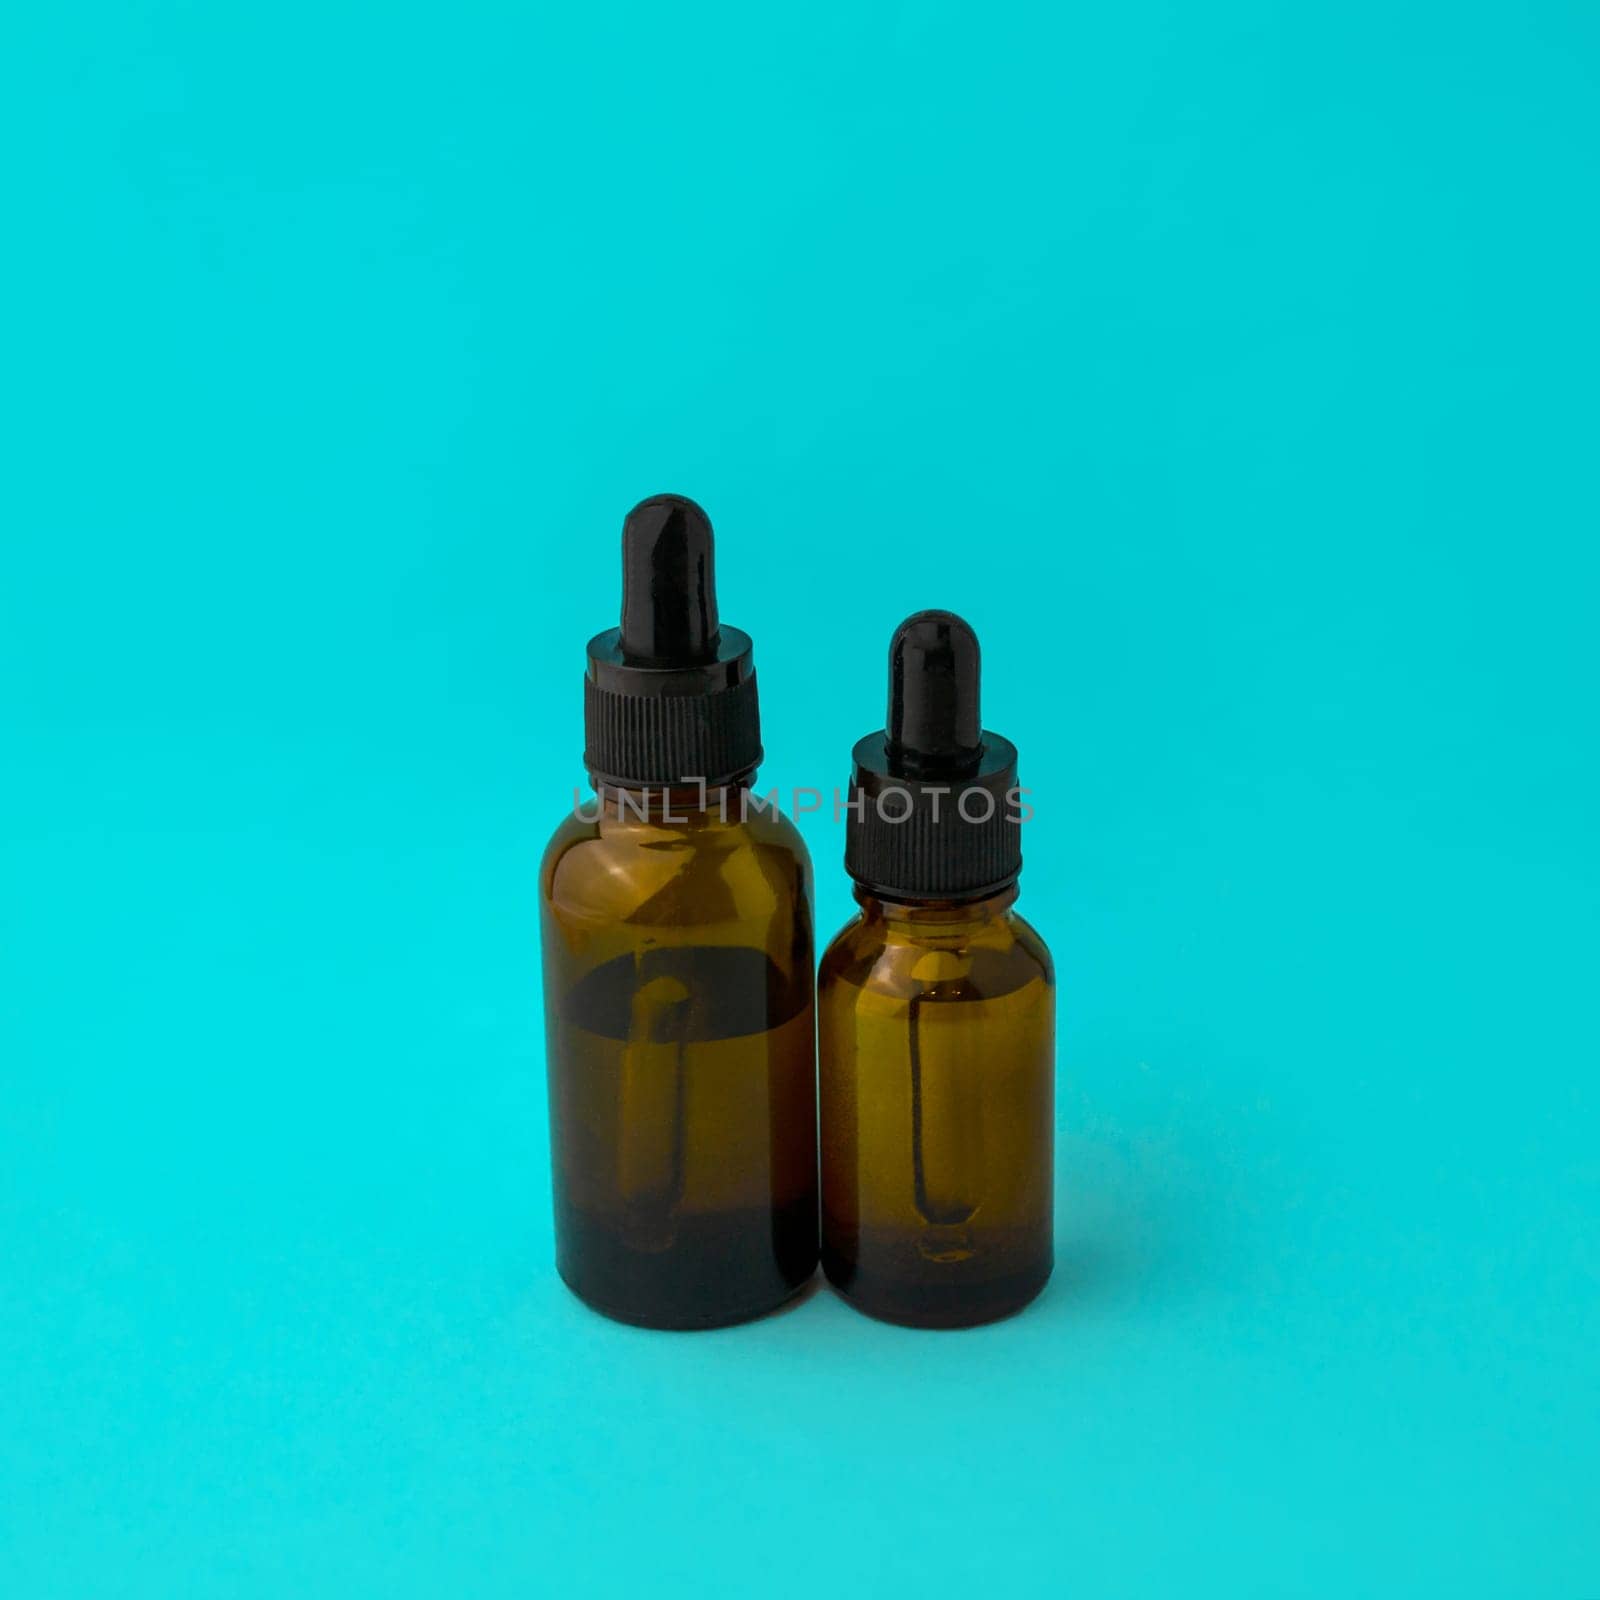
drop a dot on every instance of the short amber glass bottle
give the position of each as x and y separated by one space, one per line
678 971
936 1016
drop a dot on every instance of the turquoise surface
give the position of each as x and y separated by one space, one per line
1231 368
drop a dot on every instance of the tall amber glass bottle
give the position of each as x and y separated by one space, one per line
936 1015
678 970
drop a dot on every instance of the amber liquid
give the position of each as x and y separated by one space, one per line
664 1136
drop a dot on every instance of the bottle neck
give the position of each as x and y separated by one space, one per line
932 920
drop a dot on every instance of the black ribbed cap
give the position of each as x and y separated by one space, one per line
670 696
932 814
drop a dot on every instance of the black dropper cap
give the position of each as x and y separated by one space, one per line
670 696
933 816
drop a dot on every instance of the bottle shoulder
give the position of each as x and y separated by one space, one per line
996 955
768 830
698 867
771 829
570 832
1031 942
854 942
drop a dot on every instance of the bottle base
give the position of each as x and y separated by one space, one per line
673 1322
918 1303
714 1270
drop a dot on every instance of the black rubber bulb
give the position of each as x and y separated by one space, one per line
935 724
669 584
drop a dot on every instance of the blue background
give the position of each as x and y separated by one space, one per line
1232 368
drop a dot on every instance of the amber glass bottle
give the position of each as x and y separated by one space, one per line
678 971
936 1015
